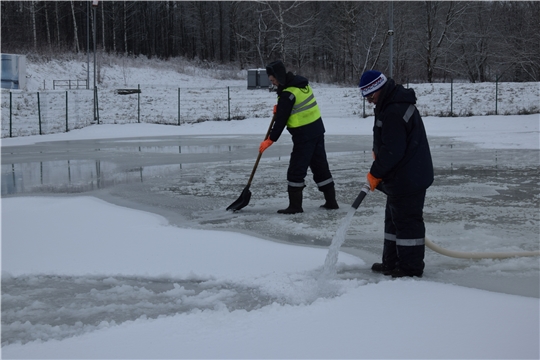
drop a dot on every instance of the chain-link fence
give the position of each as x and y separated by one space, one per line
53 111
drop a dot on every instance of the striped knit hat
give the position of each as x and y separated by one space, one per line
371 81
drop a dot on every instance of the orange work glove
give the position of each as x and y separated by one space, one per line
373 181
265 145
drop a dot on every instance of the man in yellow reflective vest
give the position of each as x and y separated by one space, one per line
297 110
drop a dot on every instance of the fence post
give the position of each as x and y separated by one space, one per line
67 129
178 106
39 113
496 95
452 97
95 106
96 103
139 104
10 113
229 103
363 106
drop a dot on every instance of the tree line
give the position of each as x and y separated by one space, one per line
327 41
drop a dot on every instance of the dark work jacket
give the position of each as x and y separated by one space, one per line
402 155
284 108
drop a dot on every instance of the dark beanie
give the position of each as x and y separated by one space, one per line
371 81
277 70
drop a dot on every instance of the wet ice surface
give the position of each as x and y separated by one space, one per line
482 200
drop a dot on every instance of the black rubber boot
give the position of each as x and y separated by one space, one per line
389 259
330 197
295 201
381 268
390 254
411 260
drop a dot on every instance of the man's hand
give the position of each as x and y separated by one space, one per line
265 145
373 181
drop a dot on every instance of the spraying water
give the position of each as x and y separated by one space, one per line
339 238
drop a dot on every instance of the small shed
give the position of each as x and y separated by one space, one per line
257 79
13 71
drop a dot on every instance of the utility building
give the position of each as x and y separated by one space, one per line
257 79
13 71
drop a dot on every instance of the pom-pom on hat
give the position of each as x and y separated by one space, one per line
371 81
277 70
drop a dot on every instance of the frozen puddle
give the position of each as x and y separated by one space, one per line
55 307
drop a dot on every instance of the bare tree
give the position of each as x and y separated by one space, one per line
75 36
34 30
438 19
330 41
286 20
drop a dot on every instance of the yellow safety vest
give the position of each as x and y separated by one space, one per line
305 109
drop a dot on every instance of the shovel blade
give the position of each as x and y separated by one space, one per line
242 201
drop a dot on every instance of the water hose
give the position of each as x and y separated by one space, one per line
487 255
451 253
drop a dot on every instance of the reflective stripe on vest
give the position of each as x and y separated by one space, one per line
305 109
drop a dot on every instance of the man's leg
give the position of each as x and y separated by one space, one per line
322 176
407 215
389 256
296 173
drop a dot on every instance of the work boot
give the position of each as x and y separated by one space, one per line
411 259
399 273
330 197
295 201
381 268
390 254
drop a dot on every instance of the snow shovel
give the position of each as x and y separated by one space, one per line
244 198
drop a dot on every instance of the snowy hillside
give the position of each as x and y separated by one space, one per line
177 91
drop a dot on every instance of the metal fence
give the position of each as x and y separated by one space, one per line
46 112
70 84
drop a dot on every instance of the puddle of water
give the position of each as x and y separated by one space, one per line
185 149
76 176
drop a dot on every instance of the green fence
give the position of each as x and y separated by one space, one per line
45 112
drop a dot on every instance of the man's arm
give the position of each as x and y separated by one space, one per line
283 111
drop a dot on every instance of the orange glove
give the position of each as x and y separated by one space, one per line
275 109
373 181
265 145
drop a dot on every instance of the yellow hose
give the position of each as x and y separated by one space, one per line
488 255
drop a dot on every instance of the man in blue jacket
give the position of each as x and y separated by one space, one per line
297 110
402 169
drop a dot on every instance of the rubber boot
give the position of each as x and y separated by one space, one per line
389 259
330 197
411 261
295 201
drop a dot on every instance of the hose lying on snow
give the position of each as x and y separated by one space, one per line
488 255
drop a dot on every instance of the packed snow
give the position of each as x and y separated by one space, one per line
85 278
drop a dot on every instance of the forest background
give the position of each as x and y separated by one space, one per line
327 41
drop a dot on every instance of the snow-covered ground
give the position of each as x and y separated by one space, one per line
84 278
177 92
